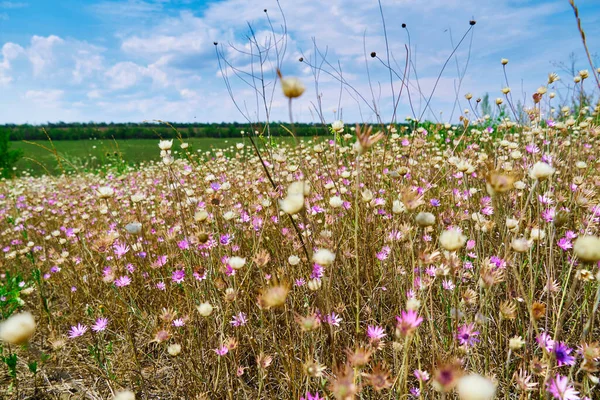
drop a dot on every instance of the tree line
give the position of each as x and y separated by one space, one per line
83 131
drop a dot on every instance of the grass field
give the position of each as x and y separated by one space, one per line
87 155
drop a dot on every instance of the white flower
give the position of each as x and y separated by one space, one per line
337 126
134 228
516 342
165 144
236 262
424 219
184 145
205 309
18 328
323 257
537 234
587 248
200 215
293 260
104 192
174 349
398 207
336 202
124 395
541 171
292 204
367 195
452 240
475 387
292 87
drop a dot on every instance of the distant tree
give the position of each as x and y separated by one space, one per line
8 157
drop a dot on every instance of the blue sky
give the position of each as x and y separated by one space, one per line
135 60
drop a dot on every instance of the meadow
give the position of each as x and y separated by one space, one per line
419 260
90 155
414 264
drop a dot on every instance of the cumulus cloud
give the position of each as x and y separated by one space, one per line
159 61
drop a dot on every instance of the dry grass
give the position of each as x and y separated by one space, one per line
314 337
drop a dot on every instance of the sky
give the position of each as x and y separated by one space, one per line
140 60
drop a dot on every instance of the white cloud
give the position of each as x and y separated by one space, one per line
164 64
44 97
41 53
124 75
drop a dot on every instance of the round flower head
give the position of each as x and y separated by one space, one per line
174 349
205 309
236 262
105 192
475 387
587 248
292 87
338 126
541 171
452 240
18 328
424 219
165 144
124 395
323 257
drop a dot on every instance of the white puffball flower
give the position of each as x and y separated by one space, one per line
452 240
205 309
587 248
236 262
336 202
323 257
475 387
134 228
174 349
424 219
18 328
293 260
124 395
541 170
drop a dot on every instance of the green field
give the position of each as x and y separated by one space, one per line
88 155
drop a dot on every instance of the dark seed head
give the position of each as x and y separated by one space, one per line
404 25
472 22
265 10
215 43
373 54
301 59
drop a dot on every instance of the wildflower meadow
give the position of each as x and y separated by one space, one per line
383 260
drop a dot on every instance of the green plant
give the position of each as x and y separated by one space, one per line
8 157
